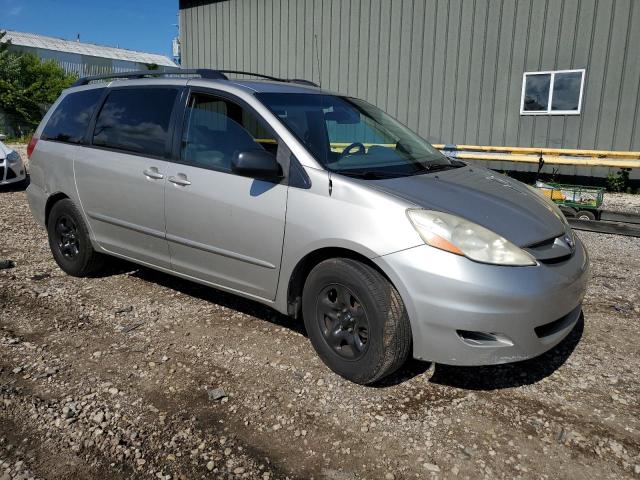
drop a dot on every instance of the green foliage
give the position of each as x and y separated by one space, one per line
29 86
19 138
619 181
4 46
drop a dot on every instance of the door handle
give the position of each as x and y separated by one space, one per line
153 173
180 180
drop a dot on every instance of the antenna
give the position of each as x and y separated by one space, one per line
315 36
175 43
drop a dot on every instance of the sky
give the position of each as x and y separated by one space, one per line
144 25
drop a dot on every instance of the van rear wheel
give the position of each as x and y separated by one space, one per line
69 241
356 320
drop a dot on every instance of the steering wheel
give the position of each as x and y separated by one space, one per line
347 151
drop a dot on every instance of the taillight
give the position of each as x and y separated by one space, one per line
32 145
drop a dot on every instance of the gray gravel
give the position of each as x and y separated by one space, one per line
85 395
622 202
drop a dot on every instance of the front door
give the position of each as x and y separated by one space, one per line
224 228
121 178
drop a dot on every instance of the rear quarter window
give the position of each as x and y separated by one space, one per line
70 120
136 120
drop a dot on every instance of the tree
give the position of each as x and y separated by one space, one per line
28 86
4 46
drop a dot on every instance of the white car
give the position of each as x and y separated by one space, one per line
12 169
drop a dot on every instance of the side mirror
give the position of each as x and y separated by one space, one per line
256 163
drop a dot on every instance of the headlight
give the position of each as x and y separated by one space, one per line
13 158
461 237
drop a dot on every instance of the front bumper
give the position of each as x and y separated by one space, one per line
467 313
12 173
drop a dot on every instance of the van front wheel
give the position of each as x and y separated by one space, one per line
355 320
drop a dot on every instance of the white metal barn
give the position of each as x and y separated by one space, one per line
84 58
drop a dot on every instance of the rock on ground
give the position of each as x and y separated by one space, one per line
81 396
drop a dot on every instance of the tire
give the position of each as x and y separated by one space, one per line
585 215
23 184
568 212
341 296
69 241
26 181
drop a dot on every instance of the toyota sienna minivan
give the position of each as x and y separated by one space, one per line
317 204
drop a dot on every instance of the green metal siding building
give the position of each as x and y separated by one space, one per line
453 70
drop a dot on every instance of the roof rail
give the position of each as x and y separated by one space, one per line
269 77
303 82
203 72
260 75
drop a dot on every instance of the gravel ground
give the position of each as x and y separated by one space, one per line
139 374
622 202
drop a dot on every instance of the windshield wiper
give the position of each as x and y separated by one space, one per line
438 166
435 168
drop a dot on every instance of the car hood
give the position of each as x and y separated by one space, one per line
499 203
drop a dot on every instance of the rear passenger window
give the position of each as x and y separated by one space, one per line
136 120
215 128
70 120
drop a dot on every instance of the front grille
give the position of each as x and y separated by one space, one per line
551 261
10 174
544 243
552 250
557 325
1 174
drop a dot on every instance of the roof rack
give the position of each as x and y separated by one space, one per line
203 72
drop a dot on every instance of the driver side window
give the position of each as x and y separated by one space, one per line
215 128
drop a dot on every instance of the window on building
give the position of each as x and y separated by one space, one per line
552 93
70 120
136 120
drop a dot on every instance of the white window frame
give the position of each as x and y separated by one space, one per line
548 111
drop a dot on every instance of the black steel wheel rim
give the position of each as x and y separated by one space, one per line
67 236
343 321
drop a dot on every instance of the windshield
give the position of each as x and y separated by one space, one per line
352 137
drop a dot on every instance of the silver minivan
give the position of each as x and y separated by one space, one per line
317 204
